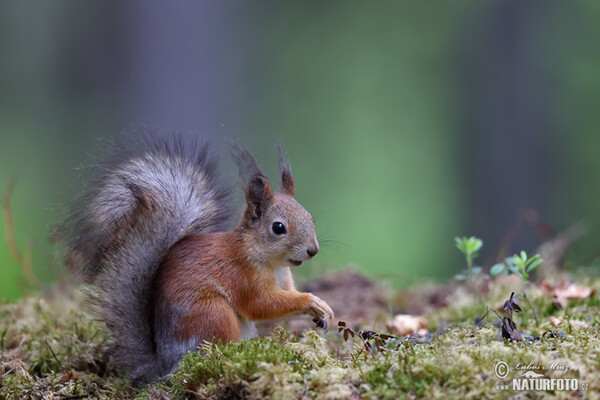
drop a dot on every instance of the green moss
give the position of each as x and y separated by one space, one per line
458 363
222 367
51 348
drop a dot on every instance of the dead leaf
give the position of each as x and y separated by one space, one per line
564 291
556 320
405 324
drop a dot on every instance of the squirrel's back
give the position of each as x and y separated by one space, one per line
153 195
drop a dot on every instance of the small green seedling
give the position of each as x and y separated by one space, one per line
520 265
469 247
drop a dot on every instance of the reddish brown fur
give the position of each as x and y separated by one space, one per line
211 271
210 284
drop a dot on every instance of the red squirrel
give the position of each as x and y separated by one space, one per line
148 237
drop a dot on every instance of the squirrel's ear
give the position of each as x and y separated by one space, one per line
287 183
287 180
258 196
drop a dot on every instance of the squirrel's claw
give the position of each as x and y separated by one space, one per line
321 323
318 308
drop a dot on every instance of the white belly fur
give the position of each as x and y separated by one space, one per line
282 274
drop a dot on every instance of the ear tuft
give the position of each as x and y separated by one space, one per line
287 180
248 166
258 197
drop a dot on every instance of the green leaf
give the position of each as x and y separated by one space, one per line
530 260
460 277
534 264
476 270
523 256
475 244
514 269
468 245
518 262
461 244
497 269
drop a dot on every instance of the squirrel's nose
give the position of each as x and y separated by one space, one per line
312 252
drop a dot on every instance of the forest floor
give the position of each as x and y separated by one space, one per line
431 341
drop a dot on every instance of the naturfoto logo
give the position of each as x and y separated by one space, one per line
532 380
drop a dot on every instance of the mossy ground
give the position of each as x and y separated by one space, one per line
51 349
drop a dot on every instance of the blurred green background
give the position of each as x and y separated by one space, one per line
407 123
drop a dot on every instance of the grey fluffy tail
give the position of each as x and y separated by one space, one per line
143 202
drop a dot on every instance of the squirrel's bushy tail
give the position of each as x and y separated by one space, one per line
154 193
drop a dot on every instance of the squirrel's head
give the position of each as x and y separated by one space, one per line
282 231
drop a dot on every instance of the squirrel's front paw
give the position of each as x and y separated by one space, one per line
318 308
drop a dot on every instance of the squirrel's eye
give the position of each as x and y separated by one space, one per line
278 228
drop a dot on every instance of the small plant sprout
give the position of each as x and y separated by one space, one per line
520 265
469 247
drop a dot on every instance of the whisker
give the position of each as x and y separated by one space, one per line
331 244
